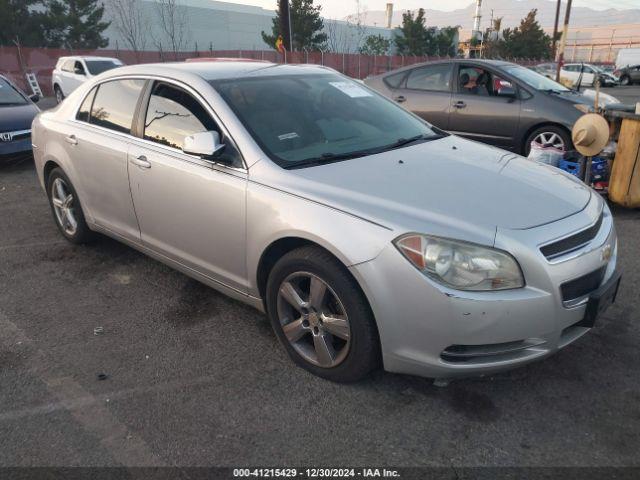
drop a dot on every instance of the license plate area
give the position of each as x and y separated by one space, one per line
600 300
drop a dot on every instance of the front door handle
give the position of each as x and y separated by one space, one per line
460 104
400 99
71 139
141 162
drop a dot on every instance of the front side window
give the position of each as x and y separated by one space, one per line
395 80
115 104
305 119
9 95
78 68
433 77
174 114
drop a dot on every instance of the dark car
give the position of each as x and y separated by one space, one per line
491 101
628 75
17 111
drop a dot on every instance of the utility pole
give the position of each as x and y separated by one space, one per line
555 30
285 23
563 40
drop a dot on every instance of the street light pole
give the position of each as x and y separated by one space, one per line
563 40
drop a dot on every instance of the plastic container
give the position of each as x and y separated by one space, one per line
574 168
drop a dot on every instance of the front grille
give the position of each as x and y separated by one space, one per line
582 286
574 242
7 137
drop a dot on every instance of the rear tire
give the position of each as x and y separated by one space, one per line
66 208
557 136
330 329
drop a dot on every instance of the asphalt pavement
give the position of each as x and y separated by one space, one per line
192 377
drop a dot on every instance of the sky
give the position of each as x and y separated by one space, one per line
342 8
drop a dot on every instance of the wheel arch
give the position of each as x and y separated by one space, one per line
525 136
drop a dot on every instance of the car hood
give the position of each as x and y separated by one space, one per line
17 117
587 97
450 181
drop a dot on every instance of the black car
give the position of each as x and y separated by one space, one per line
491 101
17 111
628 75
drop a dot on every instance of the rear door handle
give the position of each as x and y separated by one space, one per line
141 161
460 104
71 139
400 99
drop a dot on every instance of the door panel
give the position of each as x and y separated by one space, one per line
191 211
427 93
100 159
479 113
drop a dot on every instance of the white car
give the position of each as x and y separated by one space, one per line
590 73
71 72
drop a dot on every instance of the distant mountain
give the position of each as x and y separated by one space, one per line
512 12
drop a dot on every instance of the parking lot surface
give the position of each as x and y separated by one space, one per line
194 378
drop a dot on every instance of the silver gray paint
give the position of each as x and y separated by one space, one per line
450 187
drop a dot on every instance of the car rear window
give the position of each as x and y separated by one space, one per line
115 104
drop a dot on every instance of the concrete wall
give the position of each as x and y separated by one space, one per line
233 26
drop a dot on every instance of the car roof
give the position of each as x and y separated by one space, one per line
88 57
217 70
474 61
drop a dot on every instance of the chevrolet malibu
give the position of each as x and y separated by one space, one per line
369 237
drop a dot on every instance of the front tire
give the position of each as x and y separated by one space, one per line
321 316
558 137
625 80
58 93
66 208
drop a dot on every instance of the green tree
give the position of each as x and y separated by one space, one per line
306 27
443 42
20 23
75 23
413 38
527 40
375 45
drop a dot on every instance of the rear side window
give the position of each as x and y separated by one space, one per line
67 66
395 80
115 104
85 108
432 77
174 114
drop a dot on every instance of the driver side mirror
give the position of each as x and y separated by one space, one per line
34 98
203 144
507 92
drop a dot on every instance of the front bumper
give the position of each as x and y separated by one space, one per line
15 148
430 330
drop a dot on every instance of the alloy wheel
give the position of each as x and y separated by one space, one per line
549 138
64 206
58 95
313 319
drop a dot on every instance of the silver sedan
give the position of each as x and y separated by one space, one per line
369 237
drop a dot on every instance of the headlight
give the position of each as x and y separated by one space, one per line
461 265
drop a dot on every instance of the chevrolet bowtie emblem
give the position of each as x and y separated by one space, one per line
6 136
606 253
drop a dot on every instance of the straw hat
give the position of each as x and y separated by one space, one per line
590 134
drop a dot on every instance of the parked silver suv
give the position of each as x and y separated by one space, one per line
367 236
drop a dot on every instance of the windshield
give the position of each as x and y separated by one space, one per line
535 80
96 67
300 120
9 95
